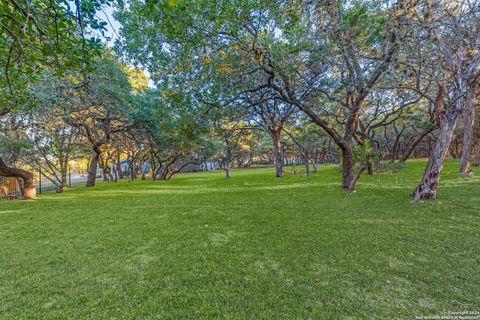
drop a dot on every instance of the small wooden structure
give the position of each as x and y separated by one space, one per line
9 188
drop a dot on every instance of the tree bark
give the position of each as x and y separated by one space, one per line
307 169
427 189
370 169
103 166
119 167
92 167
226 168
348 164
131 168
228 174
29 189
277 148
353 183
469 116
476 160
314 165
114 173
156 171
64 174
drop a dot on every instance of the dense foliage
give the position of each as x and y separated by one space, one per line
242 83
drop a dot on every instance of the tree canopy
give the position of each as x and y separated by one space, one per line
238 83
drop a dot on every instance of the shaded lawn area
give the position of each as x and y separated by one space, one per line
200 246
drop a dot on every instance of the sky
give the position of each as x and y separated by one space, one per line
113 26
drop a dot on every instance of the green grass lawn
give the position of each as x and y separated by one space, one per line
201 246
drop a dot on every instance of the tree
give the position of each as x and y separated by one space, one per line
232 137
316 57
271 114
171 131
457 45
341 71
101 109
12 141
54 142
469 119
303 135
34 36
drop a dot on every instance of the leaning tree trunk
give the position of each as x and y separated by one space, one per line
29 189
156 171
415 143
427 189
278 154
467 135
356 177
92 167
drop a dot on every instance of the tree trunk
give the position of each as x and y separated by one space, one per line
156 171
348 168
92 168
115 173
314 165
163 174
29 189
370 169
467 135
119 167
105 176
226 168
427 189
131 168
64 183
476 161
277 149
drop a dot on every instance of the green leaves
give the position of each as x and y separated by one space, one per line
172 3
364 153
367 20
43 34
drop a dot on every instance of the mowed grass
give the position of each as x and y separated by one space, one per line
253 247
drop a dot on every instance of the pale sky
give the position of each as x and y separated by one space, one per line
113 26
